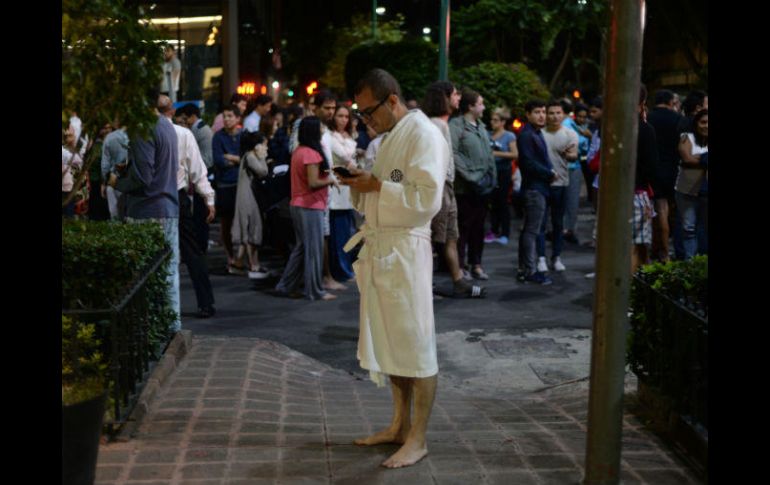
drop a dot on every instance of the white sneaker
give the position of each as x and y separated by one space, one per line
258 275
591 276
542 267
558 265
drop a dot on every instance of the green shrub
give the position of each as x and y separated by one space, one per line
101 260
500 84
413 62
83 365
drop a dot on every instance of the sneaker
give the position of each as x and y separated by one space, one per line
540 278
542 266
503 240
590 276
206 312
558 265
571 238
467 275
235 270
463 289
490 237
258 275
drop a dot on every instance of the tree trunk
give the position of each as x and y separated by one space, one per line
563 62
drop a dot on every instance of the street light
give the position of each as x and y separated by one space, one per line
276 84
426 30
380 10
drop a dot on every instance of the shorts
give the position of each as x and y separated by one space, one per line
444 224
641 229
225 201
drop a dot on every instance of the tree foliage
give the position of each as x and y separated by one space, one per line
510 85
348 38
412 61
109 63
523 30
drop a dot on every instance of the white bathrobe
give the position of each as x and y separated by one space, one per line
394 270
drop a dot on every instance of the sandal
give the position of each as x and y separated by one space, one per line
466 290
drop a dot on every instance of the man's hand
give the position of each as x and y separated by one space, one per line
212 214
112 180
362 181
233 159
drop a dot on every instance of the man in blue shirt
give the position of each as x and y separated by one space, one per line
151 192
536 176
226 150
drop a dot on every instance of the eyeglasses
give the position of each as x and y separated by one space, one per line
367 113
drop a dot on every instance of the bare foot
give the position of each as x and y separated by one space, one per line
407 455
331 284
385 436
328 296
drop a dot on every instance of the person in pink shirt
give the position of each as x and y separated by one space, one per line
310 183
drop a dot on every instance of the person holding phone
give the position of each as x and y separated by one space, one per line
341 219
394 269
310 183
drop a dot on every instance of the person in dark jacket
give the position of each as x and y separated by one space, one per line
225 148
537 173
646 161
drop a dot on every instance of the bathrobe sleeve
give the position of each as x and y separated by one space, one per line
417 198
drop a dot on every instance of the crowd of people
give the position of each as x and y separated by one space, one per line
272 177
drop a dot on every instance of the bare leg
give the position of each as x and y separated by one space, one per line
399 427
639 257
415 447
253 257
452 260
329 283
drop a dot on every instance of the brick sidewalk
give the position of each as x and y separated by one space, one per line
243 411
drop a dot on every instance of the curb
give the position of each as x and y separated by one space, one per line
177 349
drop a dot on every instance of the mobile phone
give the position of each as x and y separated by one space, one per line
343 172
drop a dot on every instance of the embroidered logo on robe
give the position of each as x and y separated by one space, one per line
396 175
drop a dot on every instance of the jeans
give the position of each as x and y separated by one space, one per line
171 234
693 212
534 214
342 226
572 202
556 203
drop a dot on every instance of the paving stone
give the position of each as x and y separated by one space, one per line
457 478
157 456
561 477
255 454
292 480
304 453
550 461
647 460
207 470
205 455
253 470
113 456
305 468
663 477
518 477
450 464
263 416
178 404
108 472
212 426
537 444
209 439
258 427
257 440
304 439
151 472
175 415
161 428
500 462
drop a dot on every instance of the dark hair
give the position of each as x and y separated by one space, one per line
381 83
237 98
190 109
435 102
309 135
262 100
323 96
581 107
694 127
349 126
664 96
293 113
468 99
266 125
250 139
597 102
534 103
234 108
445 86
565 105
692 101
642 93
554 102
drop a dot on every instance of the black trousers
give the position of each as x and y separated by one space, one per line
192 255
500 214
201 227
471 214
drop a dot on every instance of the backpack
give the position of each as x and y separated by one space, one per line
272 189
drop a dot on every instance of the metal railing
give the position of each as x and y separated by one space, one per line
124 331
671 351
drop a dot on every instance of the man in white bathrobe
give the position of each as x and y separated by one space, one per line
394 272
